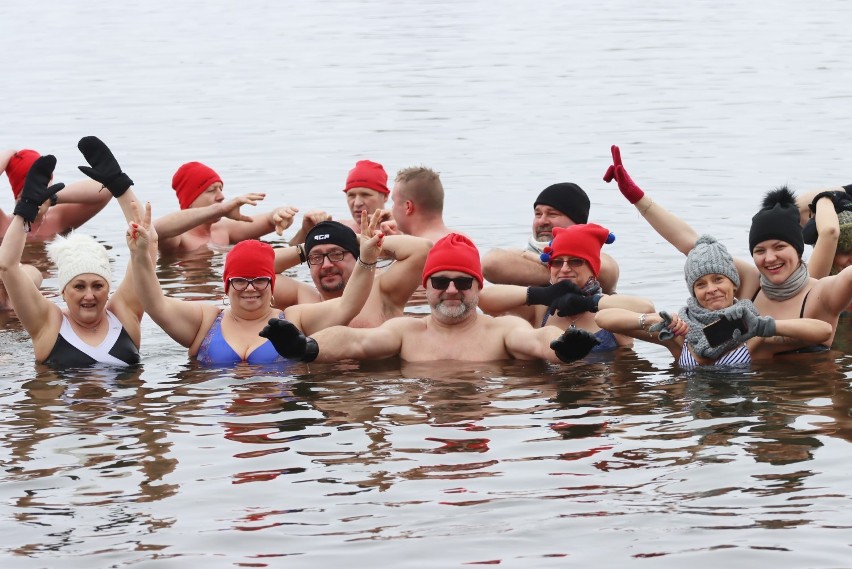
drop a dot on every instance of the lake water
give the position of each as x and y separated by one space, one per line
616 462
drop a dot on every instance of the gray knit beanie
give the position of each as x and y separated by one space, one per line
706 258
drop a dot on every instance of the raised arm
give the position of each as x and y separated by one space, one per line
666 224
32 308
823 206
402 278
181 320
638 325
77 203
172 226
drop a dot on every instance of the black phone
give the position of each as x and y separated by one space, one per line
722 330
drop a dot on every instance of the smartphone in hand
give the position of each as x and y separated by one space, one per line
722 330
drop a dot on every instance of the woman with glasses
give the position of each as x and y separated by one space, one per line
574 294
227 336
714 328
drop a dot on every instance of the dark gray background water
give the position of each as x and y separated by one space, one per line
611 462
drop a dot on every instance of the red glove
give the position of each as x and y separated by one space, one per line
628 187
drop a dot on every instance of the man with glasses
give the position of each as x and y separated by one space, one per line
331 252
453 330
560 205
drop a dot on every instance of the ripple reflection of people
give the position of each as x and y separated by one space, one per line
712 279
94 327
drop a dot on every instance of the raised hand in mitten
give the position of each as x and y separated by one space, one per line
104 166
626 185
763 326
573 344
36 190
289 340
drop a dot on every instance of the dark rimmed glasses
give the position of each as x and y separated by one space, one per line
333 256
557 264
443 283
240 284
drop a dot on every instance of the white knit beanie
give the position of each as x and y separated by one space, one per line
78 254
706 258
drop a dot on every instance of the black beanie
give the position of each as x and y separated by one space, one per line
779 219
568 198
334 233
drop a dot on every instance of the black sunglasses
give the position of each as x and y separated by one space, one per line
573 263
442 283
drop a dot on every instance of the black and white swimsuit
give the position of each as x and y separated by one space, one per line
116 349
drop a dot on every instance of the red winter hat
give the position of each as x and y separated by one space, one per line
367 174
249 259
453 252
582 241
191 180
18 167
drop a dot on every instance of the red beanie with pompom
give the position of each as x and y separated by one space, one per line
582 241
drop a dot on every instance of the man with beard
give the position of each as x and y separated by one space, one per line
331 251
454 330
560 205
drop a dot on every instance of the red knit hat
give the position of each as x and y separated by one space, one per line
249 259
191 180
582 241
453 252
367 174
18 167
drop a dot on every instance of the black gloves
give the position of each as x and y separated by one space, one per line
573 344
564 297
35 191
104 166
289 341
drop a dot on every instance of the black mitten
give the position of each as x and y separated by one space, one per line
545 295
573 344
289 341
36 191
104 166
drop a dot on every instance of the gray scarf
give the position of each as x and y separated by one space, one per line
789 288
698 317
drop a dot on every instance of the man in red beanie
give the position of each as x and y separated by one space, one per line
70 208
558 205
366 191
454 330
331 252
206 217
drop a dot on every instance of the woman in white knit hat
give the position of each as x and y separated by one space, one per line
94 327
712 278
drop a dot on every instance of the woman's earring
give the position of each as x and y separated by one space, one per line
272 301
226 301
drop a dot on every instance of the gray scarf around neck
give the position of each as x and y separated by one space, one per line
698 317
789 288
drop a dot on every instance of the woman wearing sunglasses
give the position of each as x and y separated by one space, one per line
714 328
574 295
217 336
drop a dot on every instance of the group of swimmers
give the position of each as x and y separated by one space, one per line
553 300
